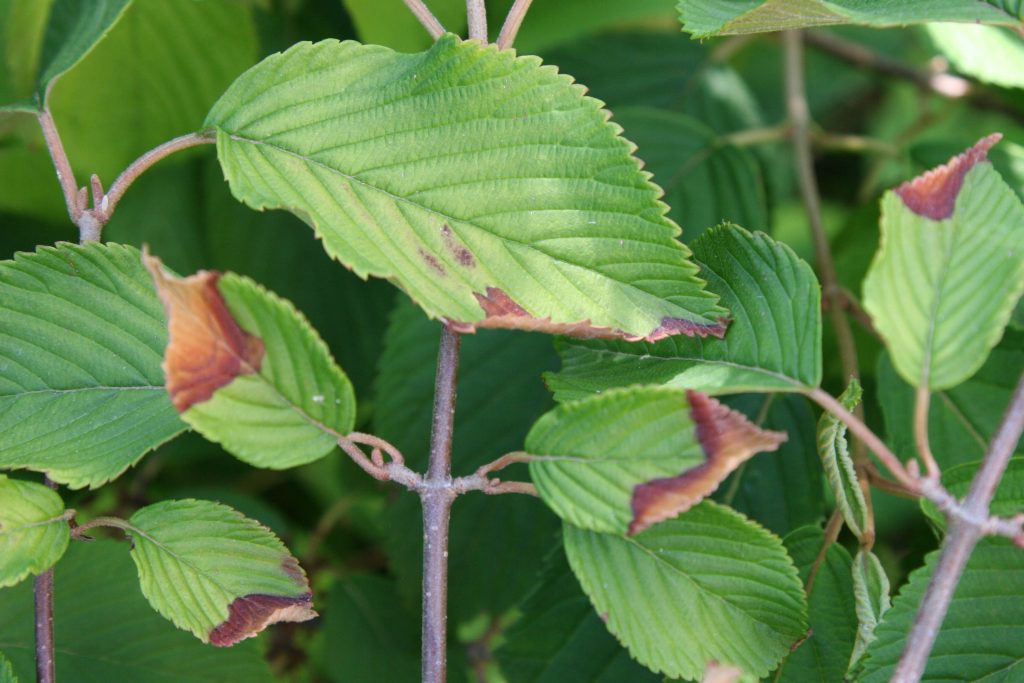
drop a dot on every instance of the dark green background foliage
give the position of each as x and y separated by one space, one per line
517 614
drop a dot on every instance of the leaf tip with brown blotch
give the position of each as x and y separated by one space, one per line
250 614
933 194
727 438
207 348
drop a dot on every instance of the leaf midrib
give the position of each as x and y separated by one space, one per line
80 390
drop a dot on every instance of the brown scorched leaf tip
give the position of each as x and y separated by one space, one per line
502 312
727 438
250 614
207 348
933 194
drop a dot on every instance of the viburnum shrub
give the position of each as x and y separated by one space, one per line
509 208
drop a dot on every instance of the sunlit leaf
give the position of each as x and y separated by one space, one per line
82 394
34 530
245 369
838 464
773 343
949 270
6 671
988 53
214 572
630 458
555 227
708 585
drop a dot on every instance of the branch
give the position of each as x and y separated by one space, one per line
964 533
65 176
426 18
46 671
513 20
476 17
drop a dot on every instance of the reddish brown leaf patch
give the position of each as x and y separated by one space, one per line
250 614
207 348
503 313
933 195
461 253
727 438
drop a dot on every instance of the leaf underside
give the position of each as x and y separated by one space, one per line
33 530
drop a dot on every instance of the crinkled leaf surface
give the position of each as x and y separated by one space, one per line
560 638
962 420
622 461
704 18
245 369
871 592
34 531
833 622
838 464
773 342
105 630
485 185
1009 497
82 394
708 585
982 636
214 572
949 270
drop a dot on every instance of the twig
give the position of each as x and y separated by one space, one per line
832 529
504 461
437 497
476 17
426 18
46 670
921 403
513 20
963 535
65 176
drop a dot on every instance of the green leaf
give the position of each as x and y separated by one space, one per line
1009 496
82 394
773 343
706 183
871 590
704 18
708 585
988 53
825 654
22 25
372 636
560 639
556 230
838 465
630 458
392 24
214 572
500 395
73 30
34 530
6 671
961 420
105 631
949 270
551 23
246 370
982 636
781 492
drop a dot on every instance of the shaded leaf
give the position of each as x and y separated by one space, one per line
372 635
721 587
982 636
949 270
557 230
988 53
1009 496
497 543
961 420
838 465
630 458
552 23
871 590
100 610
704 18
214 572
34 530
82 394
773 343
825 655
560 639
246 370
392 24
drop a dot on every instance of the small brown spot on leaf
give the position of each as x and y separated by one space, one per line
460 252
207 348
504 313
432 261
727 438
933 195
250 614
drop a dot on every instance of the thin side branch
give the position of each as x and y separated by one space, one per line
65 176
513 21
426 18
921 404
46 670
476 16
